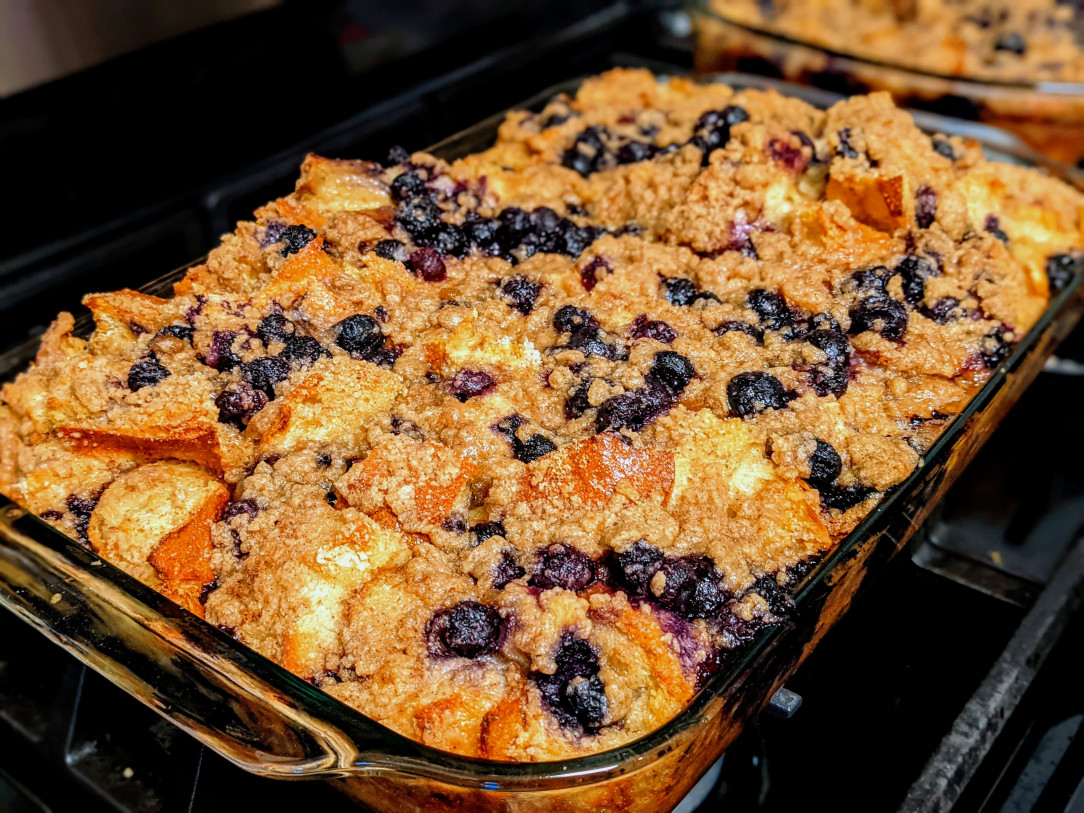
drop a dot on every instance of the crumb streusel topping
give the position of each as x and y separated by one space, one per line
507 453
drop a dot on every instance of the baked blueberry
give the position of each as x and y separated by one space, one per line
751 393
178 331
275 328
942 311
467 384
825 465
740 327
588 152
636 566
520 293
408 185
914 271
992 225
392 250
634 410
303 350
469 629
690 587
683 292
507 571
238 403
570 319
359 335
485 530
572 703
944 148
712 129
262 374
564 566
633 152
994 348
247 508
644 328
589 273
146 373
1060 270
771 308
426 263
844 148
295 238
534 447
673 370
925 207
778 600
220 354
842 498
879 314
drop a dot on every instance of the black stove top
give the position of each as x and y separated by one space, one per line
954 679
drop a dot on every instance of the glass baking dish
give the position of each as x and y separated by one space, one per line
266 720
1047 115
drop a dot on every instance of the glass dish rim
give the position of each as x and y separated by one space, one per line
403 755
970 86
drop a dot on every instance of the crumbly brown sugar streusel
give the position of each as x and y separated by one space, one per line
998 40
507 452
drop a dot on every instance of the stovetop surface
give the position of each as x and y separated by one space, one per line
881 691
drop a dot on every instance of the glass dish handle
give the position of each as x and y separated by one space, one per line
172 662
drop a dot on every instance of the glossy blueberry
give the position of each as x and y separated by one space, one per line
942 311
427 264
578 403
589 273
1012 42
178 331
831 341
146 373
274 328
262 374
845 148
392 250
564 566
467 384
220 354
570 319
520 293
586 699
574 692
635 567
419 216
359 335
643 328
691 588
81 509
469 629
507 571
588 152
751 393
534 447
925 207
944 148
842 498
634 410
247 508
771 308
295 239
1060 270
880 314
778 600
673 370
740 327
683 292
303 350
485 530
409 184
994 348
712 129
825 465
238 403
633 152
869 281
914 271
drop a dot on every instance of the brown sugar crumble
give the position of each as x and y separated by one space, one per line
506 452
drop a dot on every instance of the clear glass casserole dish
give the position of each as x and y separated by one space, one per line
1049 116
266 720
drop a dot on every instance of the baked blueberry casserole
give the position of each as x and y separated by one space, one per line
508 453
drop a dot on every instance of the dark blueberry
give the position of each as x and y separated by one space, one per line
146 373
925 207
791 157
992 225
589 341
589 273
771 308
881 314
544 219
419 216
844 147
779 602
247 508
359 335
914 271
1060 270
304 350
408 185
507 571
578 403
1013 43
740 327
643 328
563 566
466 384
752 393
534 447
574 692
713 128
447 239
870 281
397 155
636 566
943 147
942 311
588 152
520 293
323 460
485 530
220 355
262 374
455 524
833 343
296 238
825 465
403 426
392 250
81 509
994 348
275 328
427 264
691 587
570 319
634 410
51 515
673 370
469 630
634 152
683 292
554 120
843 497
178 331
238 403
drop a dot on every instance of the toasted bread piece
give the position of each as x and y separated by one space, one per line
123 315
883 202
331 185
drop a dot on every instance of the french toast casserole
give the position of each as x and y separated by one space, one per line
508 453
